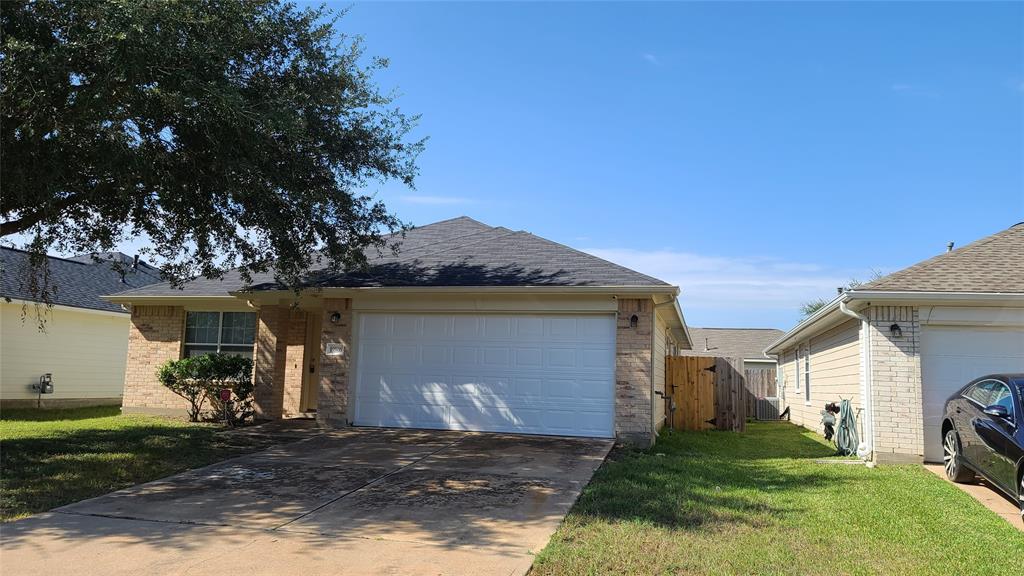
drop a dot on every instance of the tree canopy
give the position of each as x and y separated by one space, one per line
230 132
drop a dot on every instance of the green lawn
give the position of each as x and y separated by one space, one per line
49 458
757 503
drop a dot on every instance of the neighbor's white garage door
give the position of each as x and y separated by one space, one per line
502 373
953 356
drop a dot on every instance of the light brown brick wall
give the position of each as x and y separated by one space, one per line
294 363
154 337
633 371
270 360
896 384
332 401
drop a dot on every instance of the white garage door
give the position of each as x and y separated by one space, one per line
952 357
500 373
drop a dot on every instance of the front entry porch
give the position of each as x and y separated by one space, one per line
300 361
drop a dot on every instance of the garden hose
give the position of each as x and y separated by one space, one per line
846 429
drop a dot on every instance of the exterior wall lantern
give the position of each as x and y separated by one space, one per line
896 331
633 321
335 317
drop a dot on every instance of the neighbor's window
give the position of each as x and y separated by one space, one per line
228 332
807 373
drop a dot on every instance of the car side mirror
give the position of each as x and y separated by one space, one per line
998 410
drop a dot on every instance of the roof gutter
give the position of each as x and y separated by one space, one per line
867 400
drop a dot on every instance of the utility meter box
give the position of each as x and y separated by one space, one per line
45 385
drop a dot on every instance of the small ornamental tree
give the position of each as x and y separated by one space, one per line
227 372
179 376
201 378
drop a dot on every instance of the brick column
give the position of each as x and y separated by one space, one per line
295 363
633 368
896 397
335 362
269 362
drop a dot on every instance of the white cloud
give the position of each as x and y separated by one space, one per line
729 286
436 200
651 58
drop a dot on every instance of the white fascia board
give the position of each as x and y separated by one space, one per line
21 302
858 299
829 310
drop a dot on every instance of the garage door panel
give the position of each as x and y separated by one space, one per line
953 356
510 373
560 358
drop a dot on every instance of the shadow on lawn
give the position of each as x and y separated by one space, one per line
52 414
42 472
702 480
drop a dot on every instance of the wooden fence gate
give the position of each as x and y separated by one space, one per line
705 392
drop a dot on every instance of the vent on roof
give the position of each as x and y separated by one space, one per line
949 247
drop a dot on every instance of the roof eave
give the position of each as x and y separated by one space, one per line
864 297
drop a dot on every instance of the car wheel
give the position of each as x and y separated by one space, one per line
1020 495
951 459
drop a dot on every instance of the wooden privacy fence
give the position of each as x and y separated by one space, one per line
705 392
758 383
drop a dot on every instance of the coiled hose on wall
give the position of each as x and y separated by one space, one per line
846 429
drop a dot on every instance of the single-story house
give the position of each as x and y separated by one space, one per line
468 327
898 347
745 343
84 340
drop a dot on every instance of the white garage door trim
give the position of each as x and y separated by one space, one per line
551 374
952 356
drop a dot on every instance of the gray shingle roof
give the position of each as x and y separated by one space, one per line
994 264
731 342
77 281
456 252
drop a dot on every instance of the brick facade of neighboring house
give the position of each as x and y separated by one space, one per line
913 339
896 383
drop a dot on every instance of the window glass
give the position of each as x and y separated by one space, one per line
201 327
228 332
1001 396
239 328
978 394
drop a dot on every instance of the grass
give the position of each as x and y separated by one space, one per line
758 503
49 458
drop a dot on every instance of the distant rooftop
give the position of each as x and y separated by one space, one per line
731 342
78 281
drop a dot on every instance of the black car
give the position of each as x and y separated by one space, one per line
983 433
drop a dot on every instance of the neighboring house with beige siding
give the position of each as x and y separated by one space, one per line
84 340
899 346
467 327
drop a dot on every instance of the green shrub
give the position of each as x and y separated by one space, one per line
201 378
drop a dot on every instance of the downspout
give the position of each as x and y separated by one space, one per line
864 450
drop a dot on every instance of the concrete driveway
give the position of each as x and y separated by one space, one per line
358 501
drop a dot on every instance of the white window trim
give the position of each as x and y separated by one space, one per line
220 331
796 364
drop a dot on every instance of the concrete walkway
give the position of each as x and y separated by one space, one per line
987 494
360 501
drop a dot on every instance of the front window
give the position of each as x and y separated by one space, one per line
228 332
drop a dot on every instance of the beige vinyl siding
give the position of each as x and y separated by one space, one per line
834 370
658 353
84 350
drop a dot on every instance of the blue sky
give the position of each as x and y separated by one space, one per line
757 155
